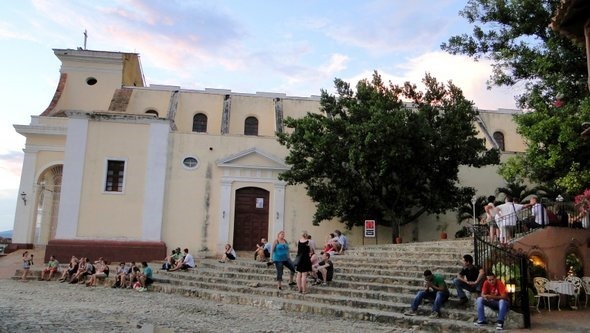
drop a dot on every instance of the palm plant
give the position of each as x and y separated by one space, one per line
518 191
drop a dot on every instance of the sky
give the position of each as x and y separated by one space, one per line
293 47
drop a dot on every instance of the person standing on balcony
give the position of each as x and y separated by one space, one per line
470 278
494 296
435 288
490 218
507 217
539 217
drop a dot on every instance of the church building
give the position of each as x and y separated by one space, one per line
127 171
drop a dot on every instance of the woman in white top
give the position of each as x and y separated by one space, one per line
490 218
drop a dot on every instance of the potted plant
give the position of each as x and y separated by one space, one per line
442 227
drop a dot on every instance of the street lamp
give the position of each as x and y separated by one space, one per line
473 201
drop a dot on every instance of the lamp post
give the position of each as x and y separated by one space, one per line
473 201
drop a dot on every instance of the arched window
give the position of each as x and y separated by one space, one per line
499 138
200 123
154 112
251 126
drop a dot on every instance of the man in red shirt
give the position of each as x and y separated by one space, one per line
493 295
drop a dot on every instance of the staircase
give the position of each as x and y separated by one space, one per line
372 283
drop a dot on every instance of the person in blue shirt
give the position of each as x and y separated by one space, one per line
145 279
280 257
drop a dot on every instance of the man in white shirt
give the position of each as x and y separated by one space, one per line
187 262
539 214
506 218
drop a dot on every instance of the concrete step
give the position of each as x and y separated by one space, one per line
374 283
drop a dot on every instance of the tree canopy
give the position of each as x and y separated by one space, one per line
515 35
385 152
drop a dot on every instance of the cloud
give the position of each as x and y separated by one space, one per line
171 35
10 170
469 75
385 27
8 31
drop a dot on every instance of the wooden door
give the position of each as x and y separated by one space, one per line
250 218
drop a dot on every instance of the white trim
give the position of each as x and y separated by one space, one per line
250 174
155 182
188 168
72 179
38 148
105 174
23 216
40 129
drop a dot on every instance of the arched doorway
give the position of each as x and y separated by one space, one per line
250 217
48 189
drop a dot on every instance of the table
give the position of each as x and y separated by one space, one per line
562 287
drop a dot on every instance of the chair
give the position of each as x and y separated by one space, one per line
578 285
543 292
586 285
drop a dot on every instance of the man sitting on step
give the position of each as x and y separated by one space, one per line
50 269
494 296
435 288
469 278
323 272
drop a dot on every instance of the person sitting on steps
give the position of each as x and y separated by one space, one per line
494 296
342 240
469 278
435 288
262 252
228 254
323 271
102 271
187 263
71 271
50 269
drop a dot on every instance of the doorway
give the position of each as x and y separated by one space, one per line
250 218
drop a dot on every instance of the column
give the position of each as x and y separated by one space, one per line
73 177
155 182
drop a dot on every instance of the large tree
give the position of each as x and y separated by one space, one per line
385 152
551 71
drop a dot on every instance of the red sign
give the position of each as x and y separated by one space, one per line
369 228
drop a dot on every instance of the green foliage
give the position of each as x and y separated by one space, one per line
516 36
368 154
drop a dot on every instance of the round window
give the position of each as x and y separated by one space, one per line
190 162
91 81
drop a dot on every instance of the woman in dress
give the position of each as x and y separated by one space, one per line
280 257
303 262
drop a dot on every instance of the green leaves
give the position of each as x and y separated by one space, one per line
515 35
369 154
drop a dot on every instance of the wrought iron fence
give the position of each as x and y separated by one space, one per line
508 266
495 253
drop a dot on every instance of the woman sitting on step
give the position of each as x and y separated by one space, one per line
228 254
102 271
71 271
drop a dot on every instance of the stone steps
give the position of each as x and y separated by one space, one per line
294 302
373 283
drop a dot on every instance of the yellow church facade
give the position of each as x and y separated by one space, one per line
116 168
